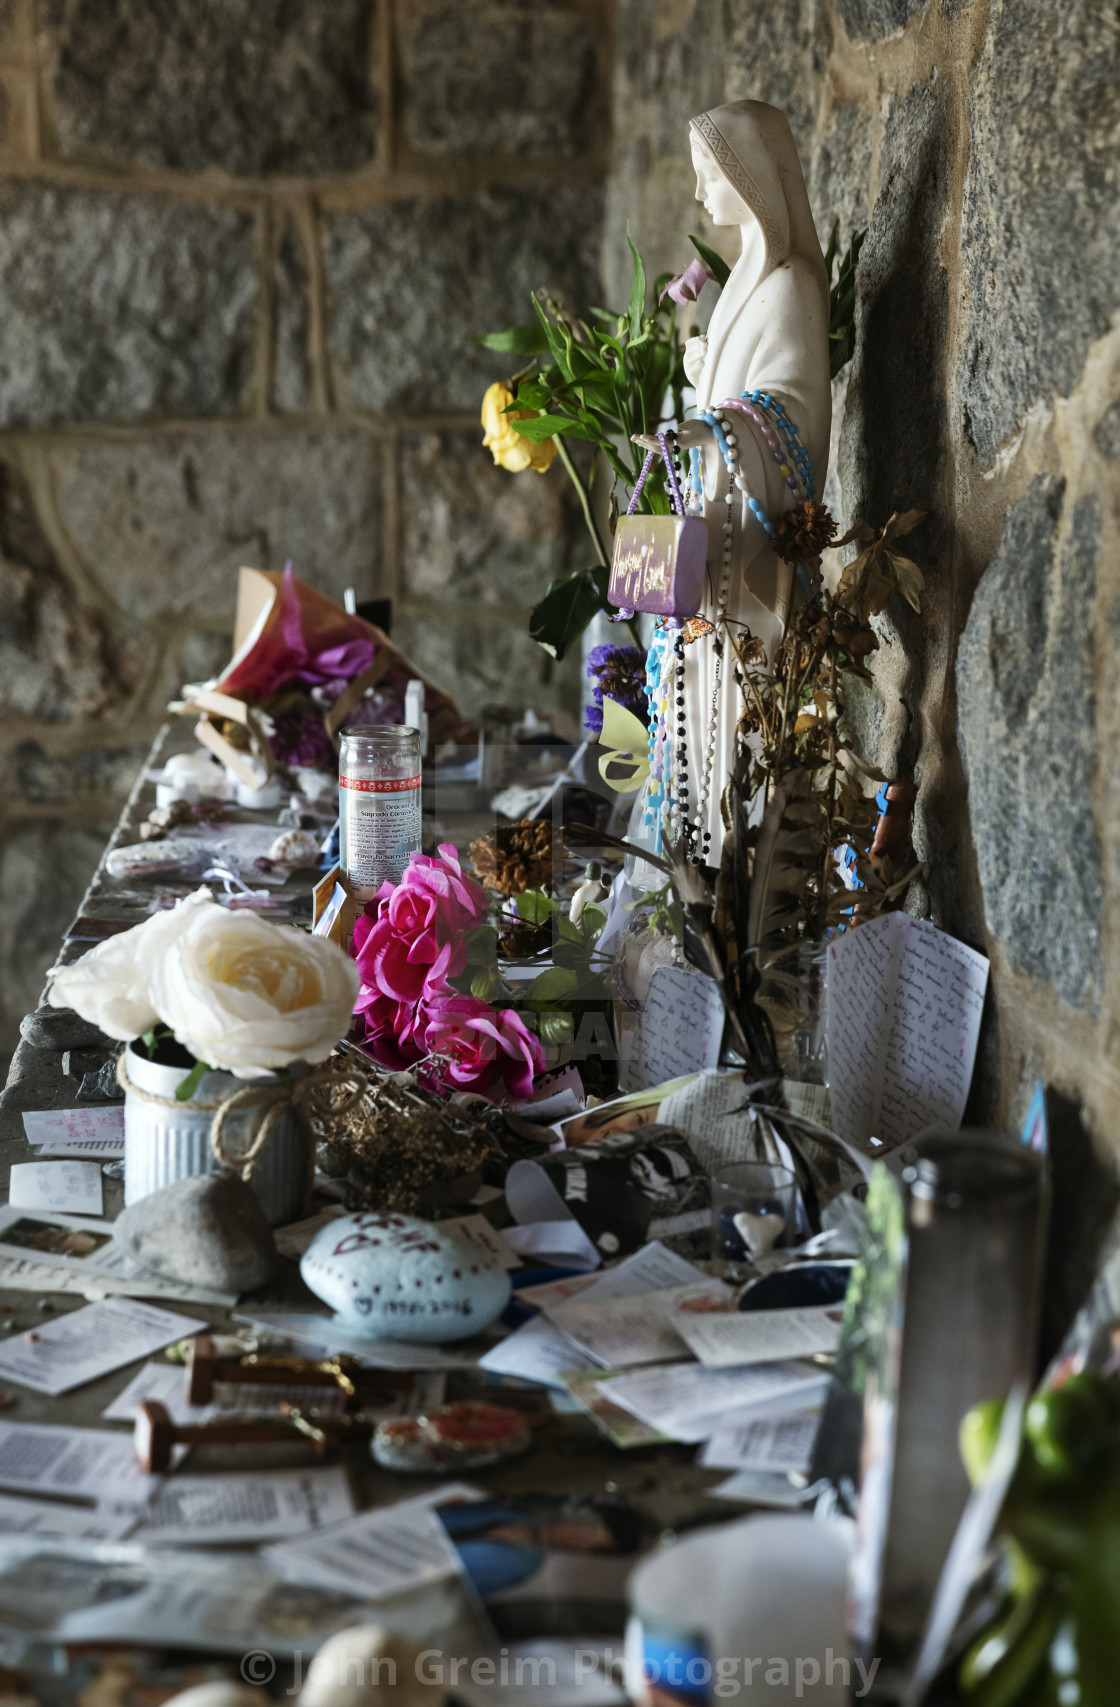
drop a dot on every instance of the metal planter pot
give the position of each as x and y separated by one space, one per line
164 1144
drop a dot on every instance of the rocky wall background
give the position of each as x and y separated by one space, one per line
979 141
244 247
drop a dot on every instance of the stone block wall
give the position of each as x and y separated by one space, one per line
979 142
244 248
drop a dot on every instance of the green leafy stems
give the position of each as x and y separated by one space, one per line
186 1089
599 380
608 376
842 300
153 1039
573 977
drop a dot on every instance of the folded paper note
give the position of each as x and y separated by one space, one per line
904 1007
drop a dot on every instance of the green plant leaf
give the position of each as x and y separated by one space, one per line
637 289
592 920
531 394
186 1090
556 342
487 984
553 984
533 907
830 252
571 954
482 945
715 264
557 622
516 340
598 394
538 427
554 1026
842 302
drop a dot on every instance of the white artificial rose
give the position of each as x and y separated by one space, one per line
111 985
248 995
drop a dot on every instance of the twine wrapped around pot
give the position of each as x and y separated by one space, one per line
324 1094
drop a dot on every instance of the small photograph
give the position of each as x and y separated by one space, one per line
622 1114
55 1240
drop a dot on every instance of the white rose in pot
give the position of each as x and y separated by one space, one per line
243 993
240 992
111 986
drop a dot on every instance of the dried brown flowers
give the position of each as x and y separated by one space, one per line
515 857
804 532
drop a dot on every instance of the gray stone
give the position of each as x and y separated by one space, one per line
60 1028
291 380
102 1086
1026 726
484 663
893 441
877 18
96 776
778 54
165 523
1041 218
251 87
412 282
1106 433
205 1231
400 1278
44 870
455 59
838 167
121 307
57 659
672 66
473 533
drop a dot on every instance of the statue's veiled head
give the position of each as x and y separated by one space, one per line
747 170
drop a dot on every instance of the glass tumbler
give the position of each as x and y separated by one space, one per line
754 1210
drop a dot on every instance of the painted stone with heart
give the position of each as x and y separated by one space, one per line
400 1278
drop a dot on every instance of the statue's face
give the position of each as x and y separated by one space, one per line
722 201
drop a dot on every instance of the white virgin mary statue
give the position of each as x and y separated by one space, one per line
757 446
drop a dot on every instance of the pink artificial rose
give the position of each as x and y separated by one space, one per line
417 940
476 1044
686 287
389 1031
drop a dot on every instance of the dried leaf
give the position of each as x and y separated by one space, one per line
899 526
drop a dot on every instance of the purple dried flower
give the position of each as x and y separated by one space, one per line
302 741
686 287
620 672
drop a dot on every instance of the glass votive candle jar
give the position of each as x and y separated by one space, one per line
754 1211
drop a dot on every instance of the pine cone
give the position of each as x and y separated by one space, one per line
804 532
515 858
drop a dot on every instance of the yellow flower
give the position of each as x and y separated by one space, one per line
507 447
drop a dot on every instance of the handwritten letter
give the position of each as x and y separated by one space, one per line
904 1006
681 1028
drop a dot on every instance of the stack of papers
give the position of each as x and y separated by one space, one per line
71 1350
69 1187
381 1553
76 1463
689 1402
203 1510
94 1132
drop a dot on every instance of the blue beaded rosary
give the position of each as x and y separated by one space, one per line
666 653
